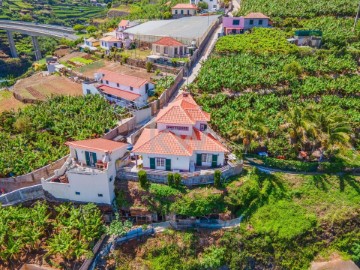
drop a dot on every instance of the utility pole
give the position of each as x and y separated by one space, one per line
357 17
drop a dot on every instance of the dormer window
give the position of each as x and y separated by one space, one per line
203 127
131 88
107 82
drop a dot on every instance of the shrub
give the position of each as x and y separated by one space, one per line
217 178
177 180
144 182
91 29
79 27
203 5
170 179
149 66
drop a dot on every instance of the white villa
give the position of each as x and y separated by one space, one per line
181 141
90 43
89 173
124 90
109 42
212 4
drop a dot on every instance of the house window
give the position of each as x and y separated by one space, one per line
203 127
177 128
175 50
147 88
260 22
251 22
107 82
160 163
166 50
77 193
88 91
110 179
115 45
182 12
214 6
157 49
90 158
118 85
176 12
101 81
131 88
188 12
100 195
206 159
233 31
236 22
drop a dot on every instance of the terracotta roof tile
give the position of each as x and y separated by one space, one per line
168 41
123 79
164 143
256 15
119 93
98 144
184 6
204 142
109 38
124 23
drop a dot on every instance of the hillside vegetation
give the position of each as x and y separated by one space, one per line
267 94
288 220
37 133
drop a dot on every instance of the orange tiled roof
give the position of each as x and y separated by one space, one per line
256 15
98 144
119 93
168 41
123 23
123 79
109 38
183 110
184 6
165 142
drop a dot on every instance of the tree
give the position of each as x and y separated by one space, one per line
79 27
91 29
251 128
217 178
203 5
144 182
299 127
170 179
177 180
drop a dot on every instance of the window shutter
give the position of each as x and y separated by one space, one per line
152 163
214 161
168 165
198 159
94 158
87 158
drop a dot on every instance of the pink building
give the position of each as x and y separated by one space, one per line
237 25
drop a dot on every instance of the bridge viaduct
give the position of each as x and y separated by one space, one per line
34 30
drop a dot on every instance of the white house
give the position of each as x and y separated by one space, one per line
181 141
212 4
89 173
109 42
180 10
169 47
124 90
90 43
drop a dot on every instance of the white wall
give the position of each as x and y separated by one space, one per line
220 161
107 45
186 11
161 126
181 163
142 115
140 91
212 4
91 87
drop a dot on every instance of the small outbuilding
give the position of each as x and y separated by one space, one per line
183 10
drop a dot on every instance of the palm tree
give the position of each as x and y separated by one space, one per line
251 128
300 127
334 130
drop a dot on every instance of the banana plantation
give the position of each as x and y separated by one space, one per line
34 136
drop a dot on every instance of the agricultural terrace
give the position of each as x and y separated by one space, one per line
66 12
8 102
37 133
286 219
41 87
61 236
267 94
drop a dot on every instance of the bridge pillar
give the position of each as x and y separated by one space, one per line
36 48
12 44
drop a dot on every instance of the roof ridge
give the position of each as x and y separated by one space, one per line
182 142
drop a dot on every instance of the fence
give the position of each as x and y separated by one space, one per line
203 177
32 178
205 224
22 195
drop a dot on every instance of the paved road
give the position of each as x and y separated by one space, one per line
195 70
38 29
